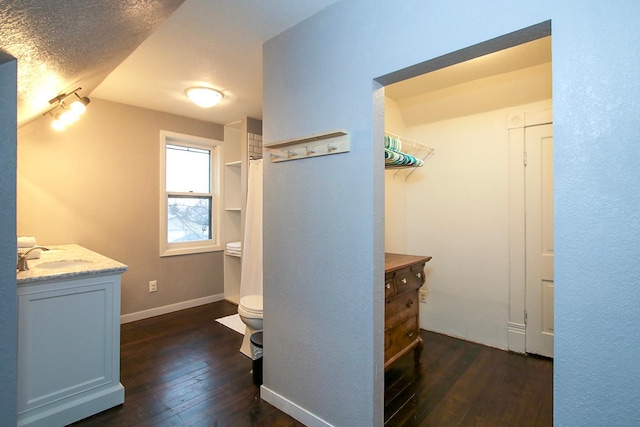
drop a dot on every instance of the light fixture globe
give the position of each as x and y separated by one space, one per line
204 97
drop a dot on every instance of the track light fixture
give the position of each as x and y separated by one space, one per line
68 112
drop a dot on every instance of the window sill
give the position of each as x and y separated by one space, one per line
166 252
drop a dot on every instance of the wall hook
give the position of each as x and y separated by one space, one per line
333 142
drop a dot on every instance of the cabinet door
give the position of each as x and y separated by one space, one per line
68 341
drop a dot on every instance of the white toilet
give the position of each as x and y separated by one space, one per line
250 311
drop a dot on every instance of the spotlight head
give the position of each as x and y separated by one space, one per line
57 123
80 104
69 113
68 116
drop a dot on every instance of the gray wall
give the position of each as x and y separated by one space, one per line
8 299
597 157
97 184
324 217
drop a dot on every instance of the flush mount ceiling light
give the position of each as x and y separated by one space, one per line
68 112
204 97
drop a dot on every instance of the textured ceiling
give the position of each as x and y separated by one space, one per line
64 44
145 52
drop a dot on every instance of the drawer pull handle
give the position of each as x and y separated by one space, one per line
410 333
404 280
388 285
410 303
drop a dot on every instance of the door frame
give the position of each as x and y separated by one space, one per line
516 124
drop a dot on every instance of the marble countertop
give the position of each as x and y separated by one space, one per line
67 262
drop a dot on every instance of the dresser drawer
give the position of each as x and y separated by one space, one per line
409 279
400 307
389 285
400 336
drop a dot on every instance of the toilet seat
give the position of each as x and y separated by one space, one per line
250 311
251 306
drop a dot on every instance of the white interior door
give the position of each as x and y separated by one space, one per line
539 239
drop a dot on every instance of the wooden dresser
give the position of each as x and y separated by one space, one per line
404 275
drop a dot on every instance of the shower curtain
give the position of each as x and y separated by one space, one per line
251 270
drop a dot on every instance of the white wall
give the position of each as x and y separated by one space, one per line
457 210
8 298
597 213
324 241
395 188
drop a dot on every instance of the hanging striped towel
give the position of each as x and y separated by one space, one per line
395 158
392 143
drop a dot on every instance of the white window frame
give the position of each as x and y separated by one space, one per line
200 246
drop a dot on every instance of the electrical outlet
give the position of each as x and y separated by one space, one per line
153 286
423 295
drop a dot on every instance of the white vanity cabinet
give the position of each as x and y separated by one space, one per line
68 346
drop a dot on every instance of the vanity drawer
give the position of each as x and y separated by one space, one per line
409 279
400 307
400 336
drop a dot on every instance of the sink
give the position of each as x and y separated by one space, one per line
64 263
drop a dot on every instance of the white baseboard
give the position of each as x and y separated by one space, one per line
139 315
516 337
290 408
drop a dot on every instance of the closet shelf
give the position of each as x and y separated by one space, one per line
409 154
232 254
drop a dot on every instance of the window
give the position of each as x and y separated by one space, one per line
189 194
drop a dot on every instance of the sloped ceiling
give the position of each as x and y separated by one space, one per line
213 43
510 77
145 52
64 44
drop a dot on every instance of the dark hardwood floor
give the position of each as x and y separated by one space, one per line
184 369
460 383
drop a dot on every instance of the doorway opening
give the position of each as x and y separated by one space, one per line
458 207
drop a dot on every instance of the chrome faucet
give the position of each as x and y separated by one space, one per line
22 258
